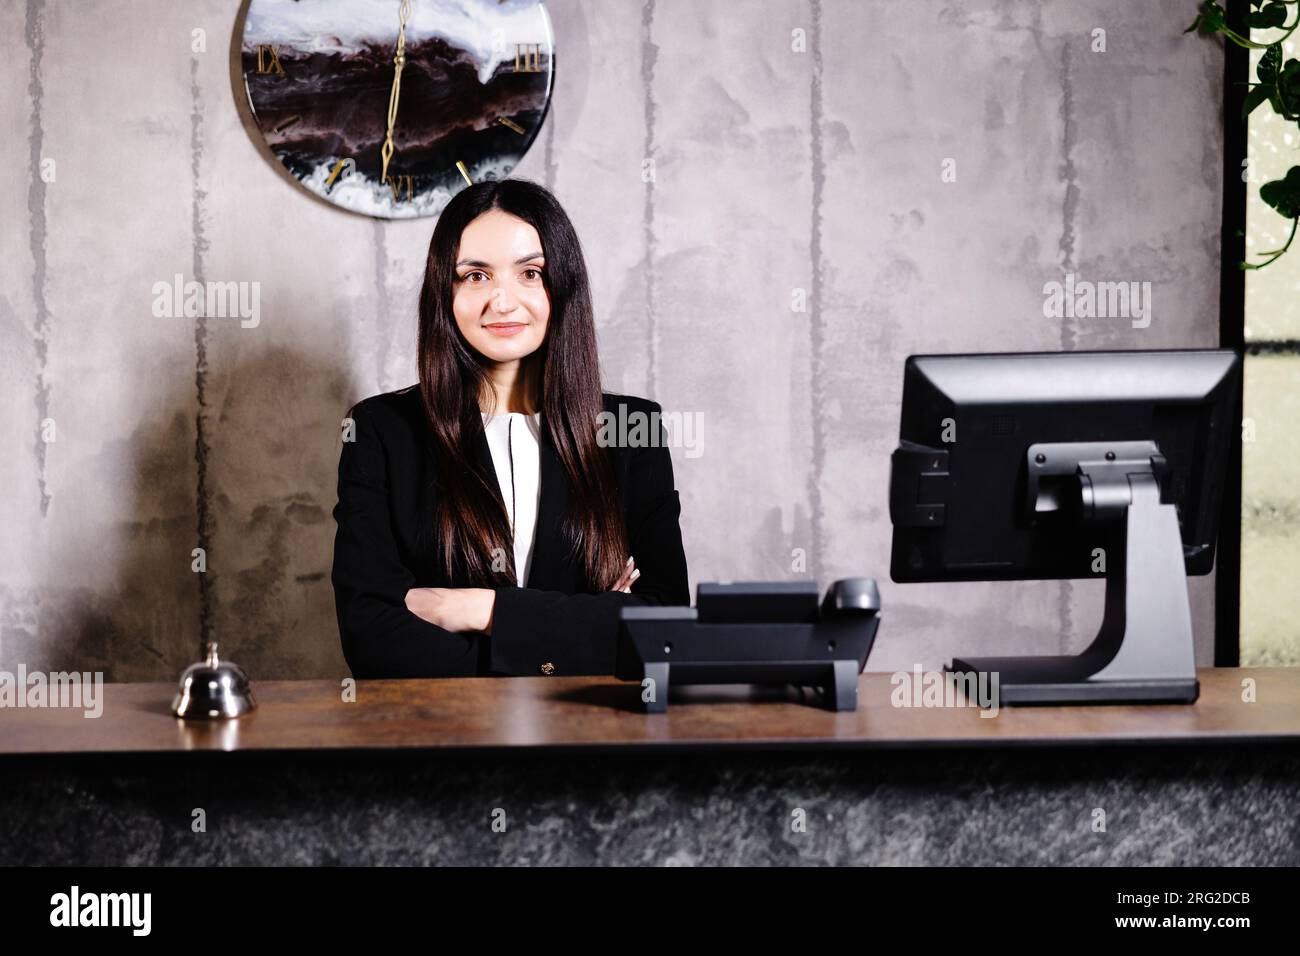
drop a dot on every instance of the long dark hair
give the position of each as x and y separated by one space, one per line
471 518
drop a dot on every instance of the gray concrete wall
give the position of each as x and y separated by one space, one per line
775 171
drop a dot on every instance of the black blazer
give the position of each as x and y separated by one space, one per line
384 546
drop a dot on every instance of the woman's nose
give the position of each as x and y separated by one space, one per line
502 301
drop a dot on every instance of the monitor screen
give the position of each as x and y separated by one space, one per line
959 478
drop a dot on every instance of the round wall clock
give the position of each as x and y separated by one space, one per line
391 107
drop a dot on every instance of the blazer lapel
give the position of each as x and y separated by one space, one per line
550 569
482 453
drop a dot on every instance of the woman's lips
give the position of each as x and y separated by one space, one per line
510 328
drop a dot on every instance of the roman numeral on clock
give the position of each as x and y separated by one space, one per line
399 183
268 60
528 58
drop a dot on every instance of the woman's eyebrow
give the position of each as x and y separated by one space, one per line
485 265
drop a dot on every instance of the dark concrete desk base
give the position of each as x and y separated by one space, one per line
1179 807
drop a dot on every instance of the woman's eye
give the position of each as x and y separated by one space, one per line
530 274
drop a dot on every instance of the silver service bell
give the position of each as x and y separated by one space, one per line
213 690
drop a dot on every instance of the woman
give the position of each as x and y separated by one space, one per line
485 523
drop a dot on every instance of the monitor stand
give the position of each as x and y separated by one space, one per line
1143 652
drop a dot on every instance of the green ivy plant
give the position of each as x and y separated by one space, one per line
1279 86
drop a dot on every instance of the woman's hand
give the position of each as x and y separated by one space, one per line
470 609
630 573
454 609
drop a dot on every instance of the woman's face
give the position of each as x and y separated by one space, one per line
500 301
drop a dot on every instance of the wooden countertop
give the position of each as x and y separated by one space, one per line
601 714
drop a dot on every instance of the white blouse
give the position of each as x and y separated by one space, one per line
514 440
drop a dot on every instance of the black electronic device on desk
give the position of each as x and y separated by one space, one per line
1052 465
754 633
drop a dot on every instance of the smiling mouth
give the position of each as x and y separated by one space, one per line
506 328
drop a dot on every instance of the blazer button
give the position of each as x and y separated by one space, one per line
548 668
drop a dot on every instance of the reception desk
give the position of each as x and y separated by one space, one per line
601 714
415 772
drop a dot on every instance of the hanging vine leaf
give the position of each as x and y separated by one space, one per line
1286 102
1269 64
1271 16
1266 90
1210 19
1259 94
1284 194
1279 86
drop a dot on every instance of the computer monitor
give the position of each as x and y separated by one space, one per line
1070 465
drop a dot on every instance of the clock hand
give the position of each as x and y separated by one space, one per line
399 61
